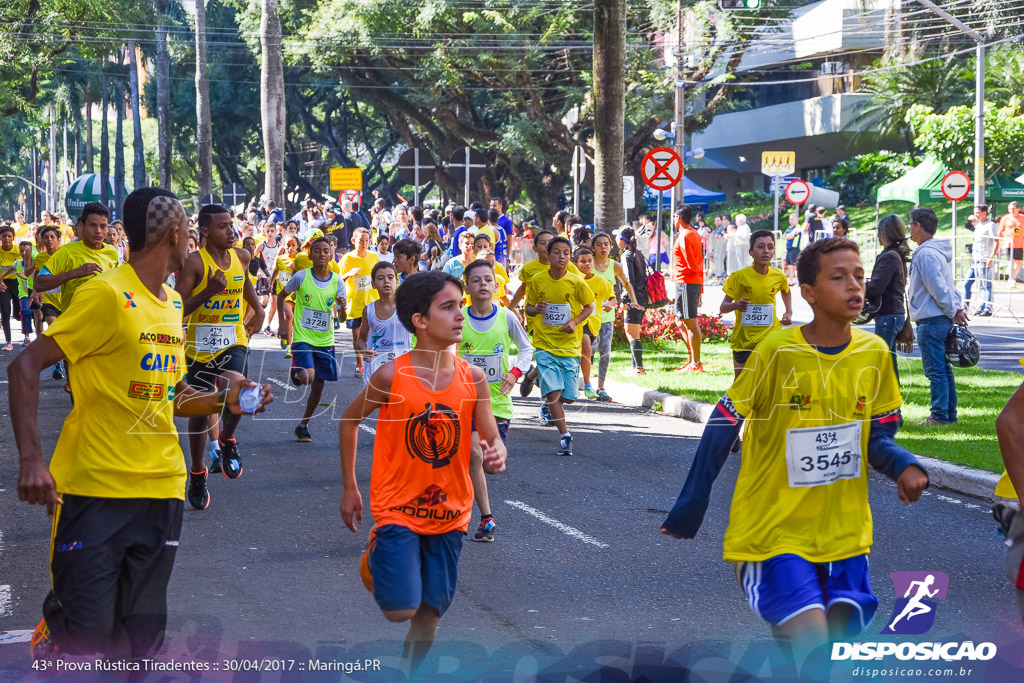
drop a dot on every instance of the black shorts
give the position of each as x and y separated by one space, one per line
49 310
687 300
1018 254
111 559
634 316
791 255
589 335
740 357
203 375
262 286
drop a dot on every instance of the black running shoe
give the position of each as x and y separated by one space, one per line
57 373
215 465
302 434
230 462
526 386
196 491
485 532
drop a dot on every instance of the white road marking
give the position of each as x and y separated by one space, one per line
564 528
5 601
10 637
368 428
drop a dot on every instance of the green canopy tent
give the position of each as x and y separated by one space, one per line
916 186
88 188
1003 188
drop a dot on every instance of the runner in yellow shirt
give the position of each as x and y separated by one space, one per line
73 264
284 268
800 524
562 303
604 298
215 290
356 268
751 293
115 482
540 246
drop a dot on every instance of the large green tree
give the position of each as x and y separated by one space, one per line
512 79
949 137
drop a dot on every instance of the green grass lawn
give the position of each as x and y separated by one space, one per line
971 441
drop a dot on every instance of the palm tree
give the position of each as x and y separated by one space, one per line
272 103
204 134
936 83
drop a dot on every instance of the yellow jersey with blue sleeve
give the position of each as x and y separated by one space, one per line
802 488
50 296
125 350
218 324
566 298
71 256
359 289
602 292
760 319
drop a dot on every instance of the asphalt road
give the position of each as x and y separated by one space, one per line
578 580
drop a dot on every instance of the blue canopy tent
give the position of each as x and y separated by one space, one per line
693 194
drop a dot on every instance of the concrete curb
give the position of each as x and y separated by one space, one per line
957 478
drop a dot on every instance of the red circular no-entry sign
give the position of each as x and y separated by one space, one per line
661 168
956 185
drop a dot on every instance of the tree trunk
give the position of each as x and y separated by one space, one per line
51 172
204 134
272 103
119 150
104 143
163 97
609 109
78 146
88 129
139 160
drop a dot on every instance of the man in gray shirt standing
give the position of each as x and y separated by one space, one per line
935 307
983 252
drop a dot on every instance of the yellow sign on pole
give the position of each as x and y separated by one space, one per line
345 179
778 163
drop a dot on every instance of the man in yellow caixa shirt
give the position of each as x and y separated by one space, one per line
115 483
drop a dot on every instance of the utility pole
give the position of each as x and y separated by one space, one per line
979 98
680 108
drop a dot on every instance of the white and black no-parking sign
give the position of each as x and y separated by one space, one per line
797 192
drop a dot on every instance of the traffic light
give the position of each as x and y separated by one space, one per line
739 4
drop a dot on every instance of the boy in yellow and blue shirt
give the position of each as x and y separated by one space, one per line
800 525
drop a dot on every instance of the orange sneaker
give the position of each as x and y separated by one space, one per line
41 645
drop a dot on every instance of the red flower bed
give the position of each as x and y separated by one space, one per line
659 324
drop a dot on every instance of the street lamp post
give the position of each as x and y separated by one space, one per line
979 99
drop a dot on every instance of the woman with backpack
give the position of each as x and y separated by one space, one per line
634 264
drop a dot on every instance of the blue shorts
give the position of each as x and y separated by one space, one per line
404 569
353 323
502 429
558 373
785 586
320 359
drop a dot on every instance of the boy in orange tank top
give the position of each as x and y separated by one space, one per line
421 494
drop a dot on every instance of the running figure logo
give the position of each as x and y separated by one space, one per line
914 613
433 435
